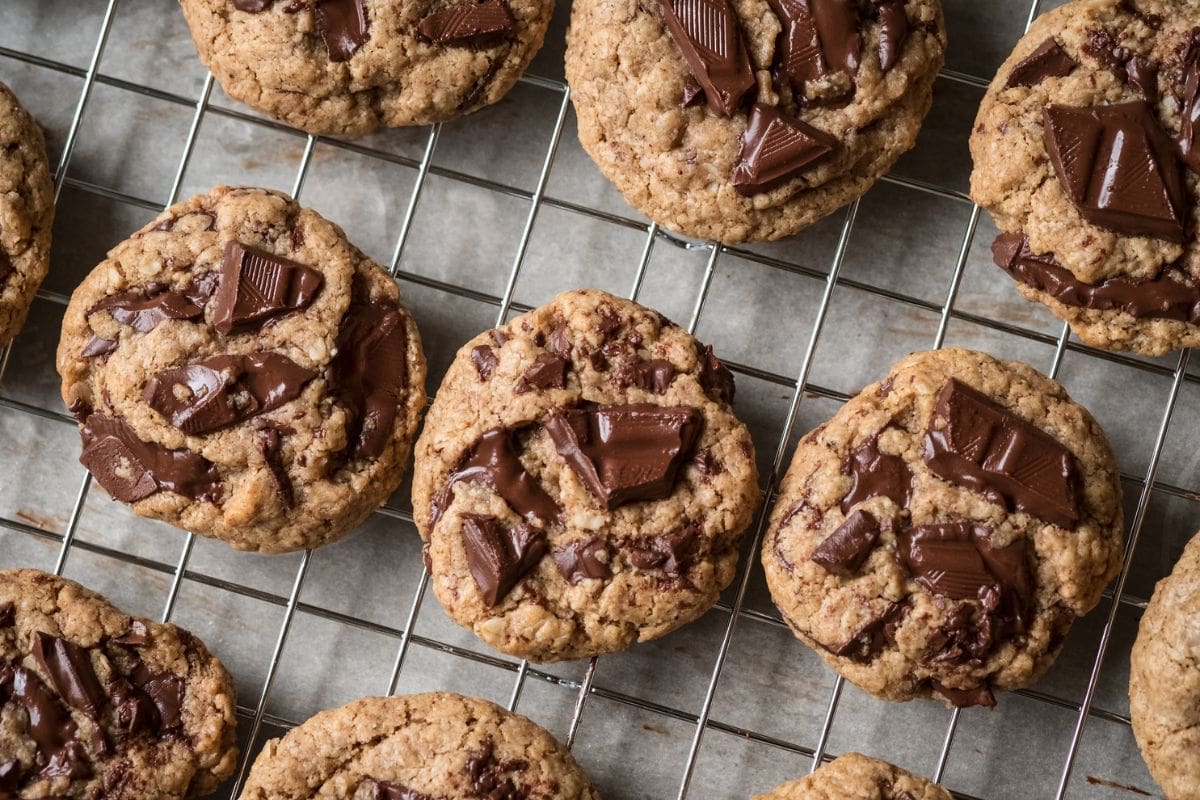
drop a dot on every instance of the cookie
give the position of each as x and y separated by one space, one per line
26 213
240 370
857 777
415 747
752 119
349 67
1087 155
96 703
938 536
581 482
1164 680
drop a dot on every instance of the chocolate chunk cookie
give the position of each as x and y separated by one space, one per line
417 747
940 534
1164 680
242 371
96 703
748 120
1087 154
26 213
859 777
349 67
581 482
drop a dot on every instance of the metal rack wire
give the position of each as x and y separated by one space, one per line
799 386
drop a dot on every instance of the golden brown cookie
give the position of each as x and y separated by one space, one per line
857 777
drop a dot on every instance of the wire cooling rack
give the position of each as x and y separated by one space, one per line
1047 725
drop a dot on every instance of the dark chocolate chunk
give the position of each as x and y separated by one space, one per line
467 23
560 340
8 615
135 711
252 6
654 375
493 461
844 551
50 727
1049 60
775 149
893 31
1118 168
1161 298
387 790
975 442
145 310
138 635
837 26
1143 76
876 474
498 556
693 92
80 409
70 670
343 26
715 377
1102 46
10 776
1189 108
965 698
707 463
269 440
673 552
822 36
369 374
485 361
865 645
582 559
256 285
710 38
219 391
98 347
799 56
485 774
166 691
625 453
548 371
131 470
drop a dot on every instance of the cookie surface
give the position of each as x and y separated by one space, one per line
414 746
1087 155
802 114
581 482
94 702
349 67
940 533
240 370
26 213
1164 680
861 778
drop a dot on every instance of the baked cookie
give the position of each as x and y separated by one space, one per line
1087 154
96 703
857 777
349 67
242 371
415 747
1164 680
752 119
938 536
26 213
581 482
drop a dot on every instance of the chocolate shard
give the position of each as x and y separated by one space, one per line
548 371
219 391
560 340
485 361
493 461
486 776
498 556
583 559
343 25
844 551
673 552
387 790
974 442
710 38
1118 168
693 92
131 470
1049 60
98 347
715 378
70 670
800 57
876 474
775 149
138 635
269 441
944 559
135 711
1143 76
256 285
625 453
146 310
654 375
893 31
1163 297
1189 108
369 373
467 23
50 727
8 615
965 698
865 645
166 691
837 24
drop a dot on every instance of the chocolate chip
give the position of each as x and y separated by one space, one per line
166 691
548 371
343 25
138 635
654 375
876 474
131 470
1049 60
715 377
975 442
70 670
144 311
1189 107
467 23
775 149
135 711
269 441
387 790
672 552
499 337
582 559
560 340
844 551
8 615
498 556
707 463
1118 169
256 285
98 347
964 698
485 361
893 31
485 774
710 39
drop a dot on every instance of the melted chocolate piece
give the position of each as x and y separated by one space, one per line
50 727
1101 46
134 710
493 461
165 691
1118 168
499 557
844 551
974 442
710 38
1143 76
146 310
654 375
707 463
387 790
138 635
693 92
369 374
775 149
560 340
98 347
256 285
269 441
485 774
80 409
625 453
547 372
1049 60
965 698
71 672
219 391
893 31
582 559
800 57
1163 297
1189 108
672 552
468 23
131 470
876 474
877 633
252 6
485 361
715 377
343 26
8 615
837 26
